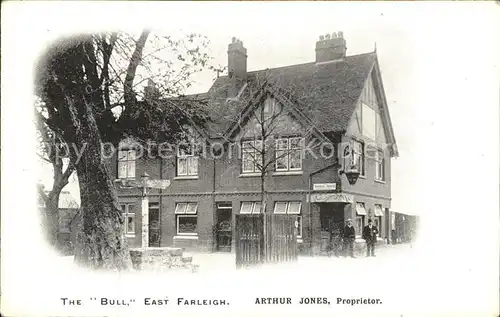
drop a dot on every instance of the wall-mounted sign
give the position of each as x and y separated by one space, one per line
324 186
332 198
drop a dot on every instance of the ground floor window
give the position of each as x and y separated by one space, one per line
186 215
377 221
379 213
129 219
250 207
359 225
360 218
292 208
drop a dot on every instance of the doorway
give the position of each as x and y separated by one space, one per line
332 224
224 227
154 225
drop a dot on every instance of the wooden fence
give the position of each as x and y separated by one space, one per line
251 246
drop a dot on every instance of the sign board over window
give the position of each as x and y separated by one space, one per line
331 198
325 186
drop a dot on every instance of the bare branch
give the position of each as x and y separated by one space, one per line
128 91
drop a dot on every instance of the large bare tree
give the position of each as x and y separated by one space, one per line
87 87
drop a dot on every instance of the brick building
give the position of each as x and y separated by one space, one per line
337 101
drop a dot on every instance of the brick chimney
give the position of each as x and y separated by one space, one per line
151 92
330 47
236 65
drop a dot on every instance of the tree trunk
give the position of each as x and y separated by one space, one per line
267 248
101 243
51 216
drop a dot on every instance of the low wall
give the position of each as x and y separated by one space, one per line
161 259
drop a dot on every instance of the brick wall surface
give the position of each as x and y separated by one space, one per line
221 180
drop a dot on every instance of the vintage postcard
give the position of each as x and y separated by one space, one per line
250 159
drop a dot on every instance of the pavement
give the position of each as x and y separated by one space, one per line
224 262
406 279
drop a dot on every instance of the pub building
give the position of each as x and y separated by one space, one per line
337 101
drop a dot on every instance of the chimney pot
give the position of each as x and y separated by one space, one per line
321 37
327 37
334 35
341 34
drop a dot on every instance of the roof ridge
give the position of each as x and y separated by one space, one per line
303 64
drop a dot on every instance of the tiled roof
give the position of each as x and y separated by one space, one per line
326 92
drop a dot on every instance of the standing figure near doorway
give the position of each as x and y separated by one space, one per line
349 237
370 233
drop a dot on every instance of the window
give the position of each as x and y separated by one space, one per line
359 156
126 163
289 154
290 208
376 222
187 158
129 219
360 209
280 207
186 218
379 166
379 212
251 207
359 225
271 108
187 161
251 156
360 217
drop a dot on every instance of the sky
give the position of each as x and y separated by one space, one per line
440 68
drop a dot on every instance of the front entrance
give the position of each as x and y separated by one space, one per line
224 227
154 225
332 225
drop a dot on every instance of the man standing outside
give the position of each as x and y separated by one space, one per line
349 237
370 235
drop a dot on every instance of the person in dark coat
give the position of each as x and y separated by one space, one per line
349 237
370 235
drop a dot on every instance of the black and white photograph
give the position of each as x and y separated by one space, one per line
250 158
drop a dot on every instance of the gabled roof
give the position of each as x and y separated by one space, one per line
327 93
281 96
